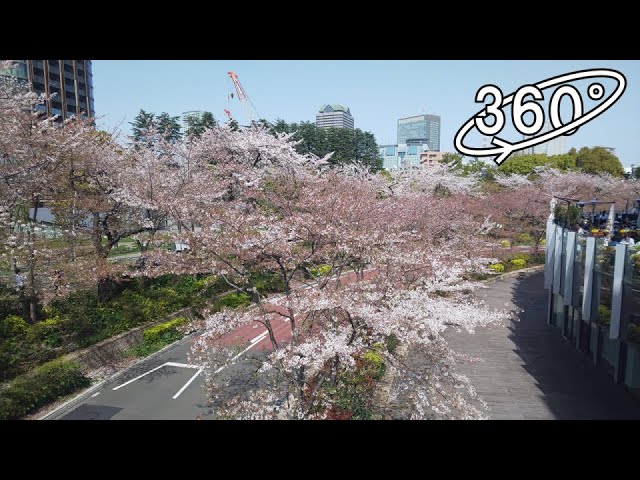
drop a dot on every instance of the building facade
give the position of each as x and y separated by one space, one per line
70 80
431 158
401 156
419 130
594 299
334 116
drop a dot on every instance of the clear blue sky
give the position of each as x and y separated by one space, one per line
378 92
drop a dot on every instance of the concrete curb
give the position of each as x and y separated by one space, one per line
515 273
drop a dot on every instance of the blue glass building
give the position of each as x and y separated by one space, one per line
419 130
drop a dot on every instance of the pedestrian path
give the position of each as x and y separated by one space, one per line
528 370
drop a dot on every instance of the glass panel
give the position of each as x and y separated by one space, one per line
603 282
630 312
557 316
578 270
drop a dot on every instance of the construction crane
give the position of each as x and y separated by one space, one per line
243 98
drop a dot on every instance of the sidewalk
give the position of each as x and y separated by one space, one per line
528 371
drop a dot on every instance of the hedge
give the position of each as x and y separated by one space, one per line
165 331
40 386
232 300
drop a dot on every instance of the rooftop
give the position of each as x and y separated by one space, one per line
334 107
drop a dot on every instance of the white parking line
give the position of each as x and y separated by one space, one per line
182 365
188 383
167 364
95 394
140 376
253 342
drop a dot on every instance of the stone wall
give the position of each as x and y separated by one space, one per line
111 351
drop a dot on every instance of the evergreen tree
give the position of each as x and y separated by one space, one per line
195 125
142 124
168 127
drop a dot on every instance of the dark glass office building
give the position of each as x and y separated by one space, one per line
70 80
419 130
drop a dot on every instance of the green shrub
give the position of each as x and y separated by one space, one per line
525 238
49 332
392 343
505 243
155 338
232 300
354 391
9 301
373 365
543 241
518 263
321 270
42 385
15 346
497 267
13 326
164 331
604 314
78 308
522 256
267 282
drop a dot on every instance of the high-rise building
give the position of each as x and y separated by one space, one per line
335 115
420 130
70 80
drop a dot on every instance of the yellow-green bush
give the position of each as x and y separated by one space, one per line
524 238
320 270
518 263
373 364
497 267
165 331
505 243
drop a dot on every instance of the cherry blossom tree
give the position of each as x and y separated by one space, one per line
357 262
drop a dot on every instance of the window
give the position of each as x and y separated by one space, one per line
412 149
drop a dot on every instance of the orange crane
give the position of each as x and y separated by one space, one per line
243 98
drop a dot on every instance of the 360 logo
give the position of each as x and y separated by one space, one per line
502 148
